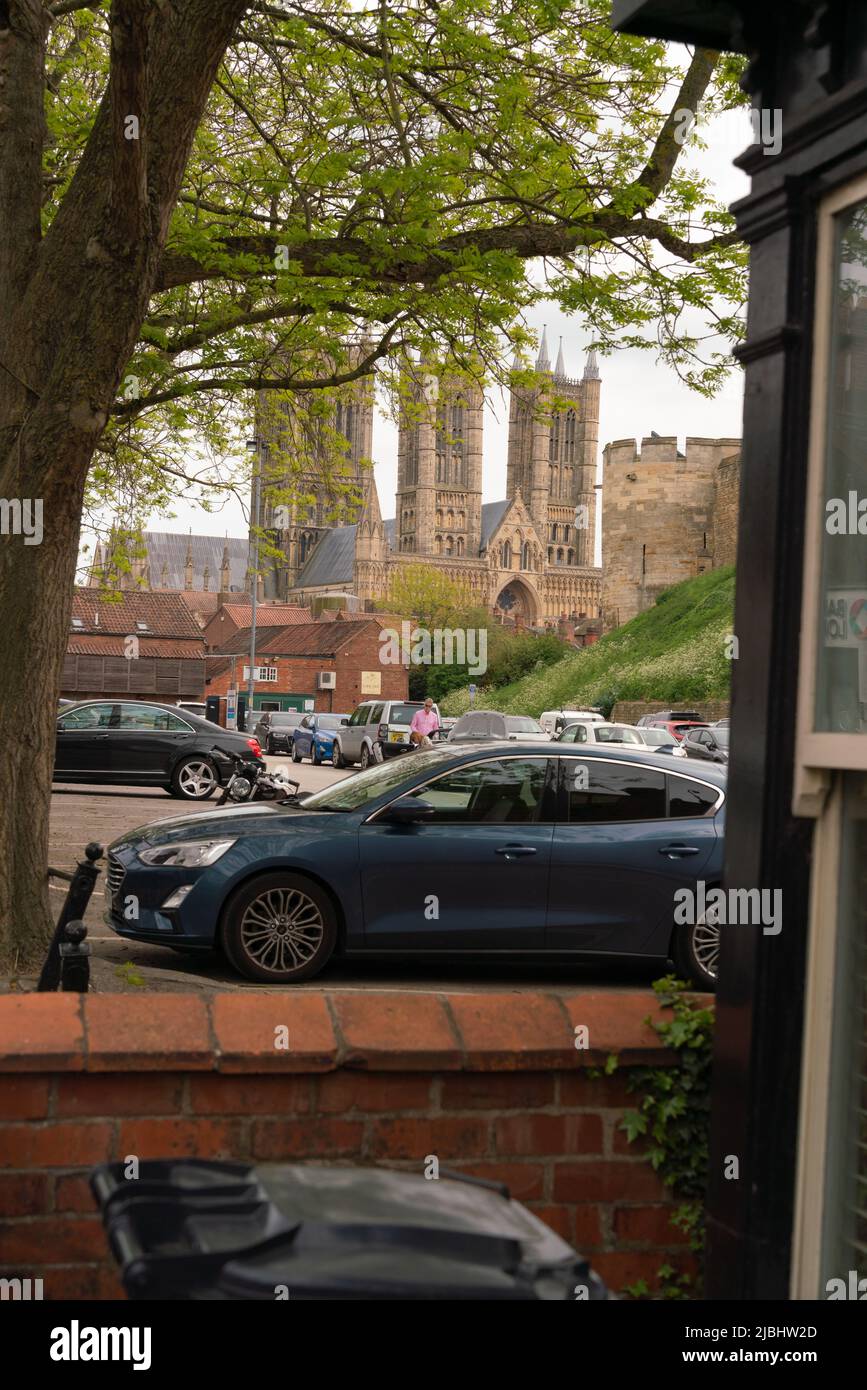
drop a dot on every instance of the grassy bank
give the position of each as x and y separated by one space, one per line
676 651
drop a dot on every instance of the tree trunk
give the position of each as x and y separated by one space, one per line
72 306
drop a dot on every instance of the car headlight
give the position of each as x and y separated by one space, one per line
195 854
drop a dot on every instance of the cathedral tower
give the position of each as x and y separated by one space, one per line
322 490
439 467
552 456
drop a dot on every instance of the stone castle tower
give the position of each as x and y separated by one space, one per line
553 444
666 516
439 467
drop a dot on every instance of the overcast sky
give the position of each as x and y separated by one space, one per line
638 395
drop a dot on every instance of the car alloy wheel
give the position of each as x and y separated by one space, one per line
296 756
194 779
696 949
279 928
337 756
316 755
706 942
365 757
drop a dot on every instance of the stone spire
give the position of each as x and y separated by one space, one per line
591 370
543 362
224 569
560 369
188 566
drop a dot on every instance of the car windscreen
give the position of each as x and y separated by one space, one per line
280 720
365 787
403 714
721 736
616 733
685 728
658 737
522 724
330 721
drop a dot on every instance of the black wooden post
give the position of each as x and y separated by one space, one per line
75 960
81 886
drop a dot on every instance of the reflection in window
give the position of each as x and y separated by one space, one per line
841 685
603 791
494 793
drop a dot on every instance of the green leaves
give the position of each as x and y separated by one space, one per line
673 1118
416 162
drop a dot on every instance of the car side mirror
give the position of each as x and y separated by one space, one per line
343 721
407 811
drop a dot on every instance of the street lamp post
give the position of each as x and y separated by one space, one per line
254 446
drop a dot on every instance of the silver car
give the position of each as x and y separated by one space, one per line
377 729
486 724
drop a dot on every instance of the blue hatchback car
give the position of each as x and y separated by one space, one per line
526 850
314 737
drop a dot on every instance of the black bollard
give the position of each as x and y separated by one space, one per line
82 884
75 960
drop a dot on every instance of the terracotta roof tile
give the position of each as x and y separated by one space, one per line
166 615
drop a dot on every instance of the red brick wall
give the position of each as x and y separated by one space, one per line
297 675
490 1084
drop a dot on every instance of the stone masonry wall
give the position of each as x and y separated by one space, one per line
657 519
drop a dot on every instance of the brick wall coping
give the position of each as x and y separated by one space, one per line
323 1030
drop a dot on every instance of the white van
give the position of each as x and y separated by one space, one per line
553 720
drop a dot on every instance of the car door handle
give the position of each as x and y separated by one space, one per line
515 851
679 851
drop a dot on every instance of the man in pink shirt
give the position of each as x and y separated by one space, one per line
424 721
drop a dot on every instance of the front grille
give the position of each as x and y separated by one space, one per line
114 876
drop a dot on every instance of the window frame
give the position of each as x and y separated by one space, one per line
87 728
666 773
817 753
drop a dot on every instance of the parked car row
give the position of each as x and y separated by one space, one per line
139 743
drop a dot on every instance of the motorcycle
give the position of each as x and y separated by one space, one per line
250 782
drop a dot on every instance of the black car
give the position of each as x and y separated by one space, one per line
276 729
711 744
135 743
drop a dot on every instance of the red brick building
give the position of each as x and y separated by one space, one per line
230 617
306 666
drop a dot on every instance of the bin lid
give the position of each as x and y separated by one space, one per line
287 1231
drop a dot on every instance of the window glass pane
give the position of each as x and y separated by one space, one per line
403 714
140 717
687 798
603 791
494 793
845 1206
90 717
841 678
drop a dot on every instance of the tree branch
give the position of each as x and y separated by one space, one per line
362 368
321 257
666 151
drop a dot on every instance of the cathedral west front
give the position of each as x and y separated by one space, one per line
528 557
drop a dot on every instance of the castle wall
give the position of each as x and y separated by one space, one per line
725 522
658 518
